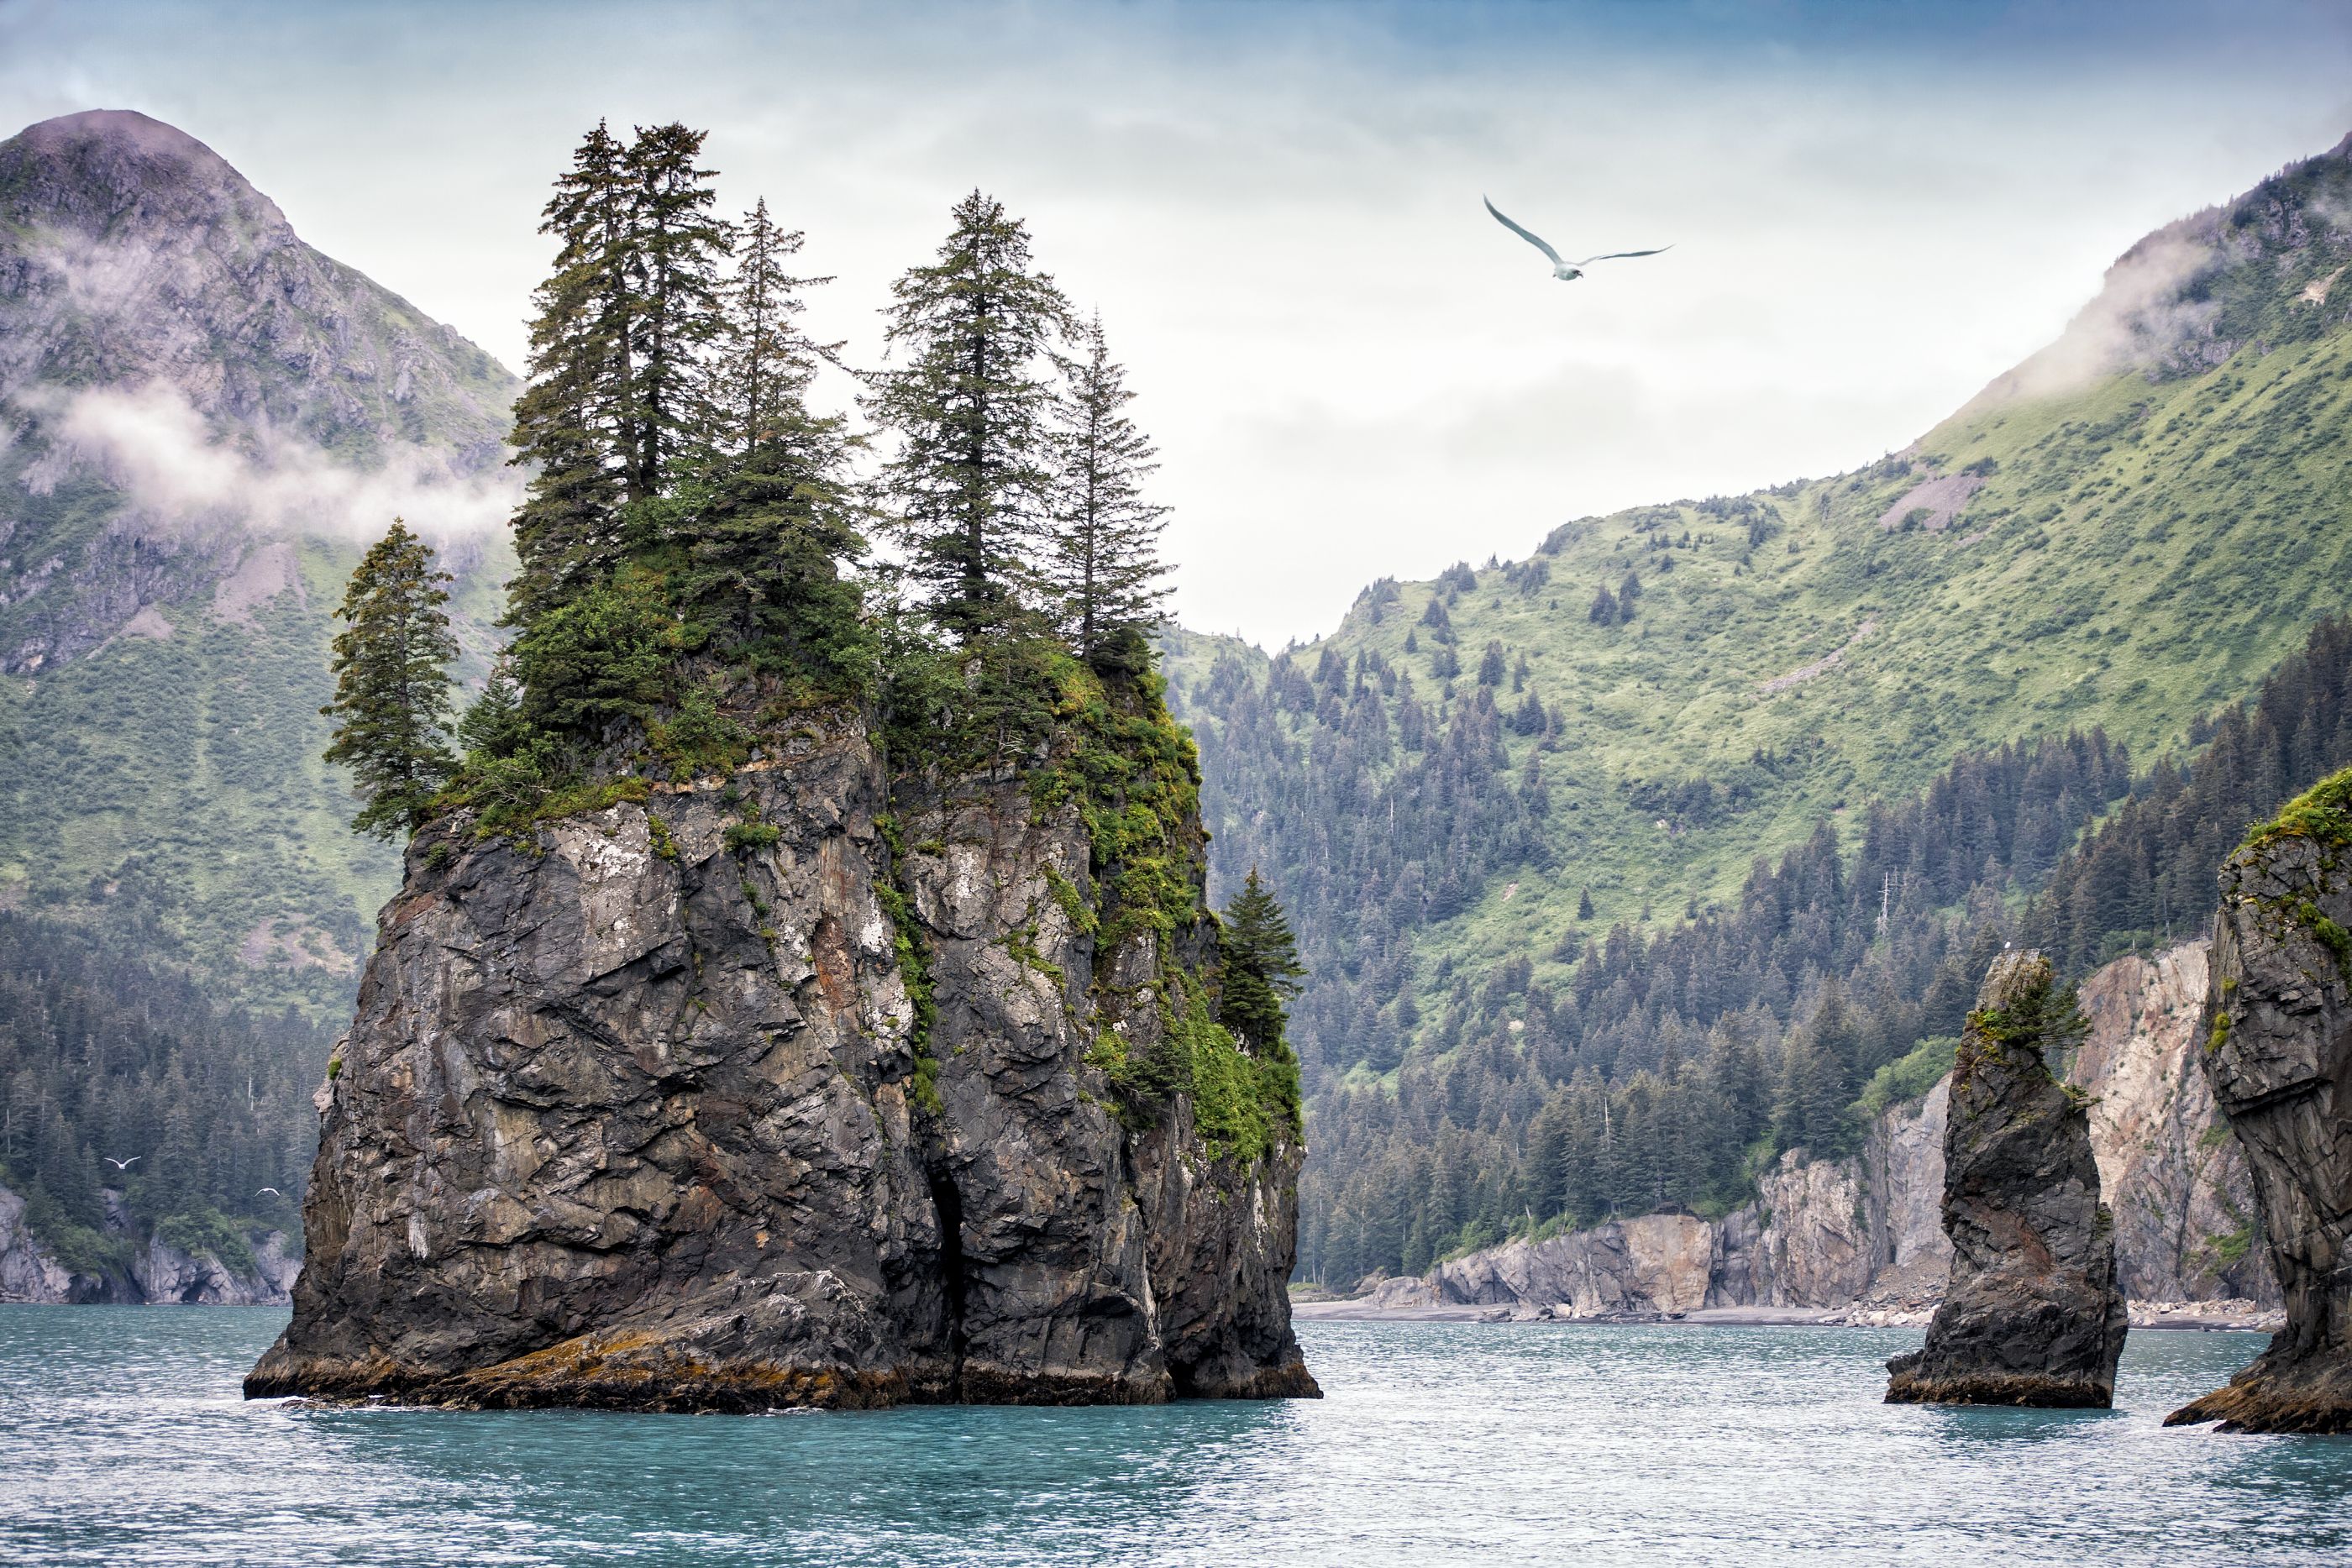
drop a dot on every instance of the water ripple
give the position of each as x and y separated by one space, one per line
122 1441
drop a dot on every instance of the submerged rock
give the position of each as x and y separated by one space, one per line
2278 1050
2034 1315
747 1095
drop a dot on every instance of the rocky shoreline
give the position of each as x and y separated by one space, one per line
155 1273
1861 1240
2239 1316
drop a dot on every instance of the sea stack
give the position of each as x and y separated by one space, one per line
2278 1051
789 1086
2033 1314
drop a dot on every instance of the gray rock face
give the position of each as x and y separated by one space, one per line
1866 1234
637 1118
158 1273
2278 1051
2175 1179
2033 1314
1658 1265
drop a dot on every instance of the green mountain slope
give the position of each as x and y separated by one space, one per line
2130 554
204 419
1904 688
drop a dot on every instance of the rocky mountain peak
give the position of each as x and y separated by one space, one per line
106 170
182 376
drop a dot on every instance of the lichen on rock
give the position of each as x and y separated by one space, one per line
2034 1315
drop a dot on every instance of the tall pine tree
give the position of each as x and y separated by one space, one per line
1260 970
569 427
1102 569
969 403
677 247
392 683
623 319
771 519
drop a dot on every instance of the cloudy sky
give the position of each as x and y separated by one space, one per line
1351 371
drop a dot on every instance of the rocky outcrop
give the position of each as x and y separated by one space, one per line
2278 1051
154 1272
716 1100
2175 1180
2033 1314
28 1270
1655 1266
1866 1235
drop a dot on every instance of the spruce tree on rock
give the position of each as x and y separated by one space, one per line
760 379
1260 971
569 428
771 519
624 318
677 248
1103 570
970 405
392 684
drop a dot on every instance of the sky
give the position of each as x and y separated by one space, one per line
1351 371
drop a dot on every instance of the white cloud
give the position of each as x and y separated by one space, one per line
178 474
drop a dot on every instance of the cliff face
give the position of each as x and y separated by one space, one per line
157 1272
2175 1179
2032 1314
2278 1051
1866 1234
713 1102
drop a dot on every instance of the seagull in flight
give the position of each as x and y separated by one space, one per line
1564 271
122 1165
272 1191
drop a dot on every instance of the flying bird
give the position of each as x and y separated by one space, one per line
1564 271
272 1191
122 1165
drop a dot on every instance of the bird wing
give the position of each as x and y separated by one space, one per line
1523 234
1614 254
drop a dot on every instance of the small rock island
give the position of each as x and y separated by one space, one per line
802 991
2278 1051
2034 1315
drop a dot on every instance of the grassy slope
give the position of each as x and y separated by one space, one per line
2141 552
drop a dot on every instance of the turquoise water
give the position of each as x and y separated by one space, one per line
122 1440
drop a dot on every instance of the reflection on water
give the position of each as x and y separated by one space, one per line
122 1440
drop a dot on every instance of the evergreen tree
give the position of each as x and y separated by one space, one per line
970 405
677 246
568 423
1103 567
765 363
492 723
769 521
1261 969
624 318
392 683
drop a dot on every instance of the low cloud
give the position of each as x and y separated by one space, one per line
178 474
2138 319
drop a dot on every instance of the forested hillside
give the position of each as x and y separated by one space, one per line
202 413
1519 812
103 1058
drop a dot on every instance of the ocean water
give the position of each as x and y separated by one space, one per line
122 1440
